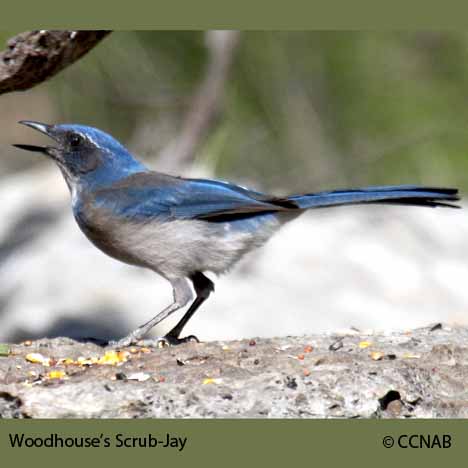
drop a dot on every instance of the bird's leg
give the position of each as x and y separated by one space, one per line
182 296
203 287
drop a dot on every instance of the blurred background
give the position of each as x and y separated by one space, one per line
282 112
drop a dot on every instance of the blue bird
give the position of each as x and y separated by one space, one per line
181 228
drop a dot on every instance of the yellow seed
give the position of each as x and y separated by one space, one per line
113 357
377 355
57 374
411 356
365 344
37 358
210 380
67 361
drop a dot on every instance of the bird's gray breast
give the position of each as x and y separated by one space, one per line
103 229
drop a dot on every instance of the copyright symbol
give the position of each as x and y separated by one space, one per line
388 441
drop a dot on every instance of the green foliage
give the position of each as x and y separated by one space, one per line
302 110
4 350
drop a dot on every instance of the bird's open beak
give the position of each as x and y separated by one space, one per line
43 128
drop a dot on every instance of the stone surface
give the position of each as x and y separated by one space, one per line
417 374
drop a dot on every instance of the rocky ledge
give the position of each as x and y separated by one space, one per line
421 373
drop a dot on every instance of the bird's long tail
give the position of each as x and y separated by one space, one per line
400 195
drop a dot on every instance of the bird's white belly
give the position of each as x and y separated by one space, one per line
181 247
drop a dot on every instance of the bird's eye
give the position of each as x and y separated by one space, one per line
75 140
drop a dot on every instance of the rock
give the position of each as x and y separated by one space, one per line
419 382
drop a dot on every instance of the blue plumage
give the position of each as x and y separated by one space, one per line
147 194
404 194
179 227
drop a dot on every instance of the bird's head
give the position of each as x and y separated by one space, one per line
85 155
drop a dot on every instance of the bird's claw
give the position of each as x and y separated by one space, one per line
123 343
160 342
168 340
175 340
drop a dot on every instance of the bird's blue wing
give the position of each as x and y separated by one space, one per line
149 195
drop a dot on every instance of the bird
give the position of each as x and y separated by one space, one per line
183 228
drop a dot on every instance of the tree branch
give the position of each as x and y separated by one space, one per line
35 56
206 103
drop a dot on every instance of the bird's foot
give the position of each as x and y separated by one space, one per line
122 343
159 342
168 340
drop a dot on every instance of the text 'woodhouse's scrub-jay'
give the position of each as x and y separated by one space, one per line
177 227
